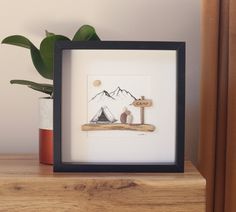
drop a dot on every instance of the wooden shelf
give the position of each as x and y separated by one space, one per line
118 126
26 185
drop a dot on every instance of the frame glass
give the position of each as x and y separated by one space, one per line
119 106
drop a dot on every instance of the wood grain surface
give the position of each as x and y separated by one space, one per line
26 185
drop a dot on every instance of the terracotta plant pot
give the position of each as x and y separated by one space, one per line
46 130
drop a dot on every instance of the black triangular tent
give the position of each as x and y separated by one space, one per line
103 116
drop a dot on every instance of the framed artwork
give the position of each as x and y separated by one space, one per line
119 106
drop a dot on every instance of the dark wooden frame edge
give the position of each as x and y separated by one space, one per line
59 166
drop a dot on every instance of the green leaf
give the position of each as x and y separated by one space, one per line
95 37
43 58
39 63
22 41
45 88
85 33
18 40
48 33
47 52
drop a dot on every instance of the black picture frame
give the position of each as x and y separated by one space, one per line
179 47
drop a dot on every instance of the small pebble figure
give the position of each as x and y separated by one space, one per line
129 117
123 116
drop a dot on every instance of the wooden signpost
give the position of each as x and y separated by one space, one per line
142 103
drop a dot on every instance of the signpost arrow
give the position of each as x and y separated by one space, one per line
142 103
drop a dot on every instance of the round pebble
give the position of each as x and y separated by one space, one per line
97 83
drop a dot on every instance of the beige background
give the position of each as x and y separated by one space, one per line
114 20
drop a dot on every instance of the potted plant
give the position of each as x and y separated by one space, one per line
42 59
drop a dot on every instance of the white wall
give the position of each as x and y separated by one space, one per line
164 20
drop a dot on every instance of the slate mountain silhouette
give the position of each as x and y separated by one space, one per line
113 95
101 95
118 91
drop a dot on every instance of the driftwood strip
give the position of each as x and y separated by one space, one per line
119 126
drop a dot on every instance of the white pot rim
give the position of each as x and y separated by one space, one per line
46 113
